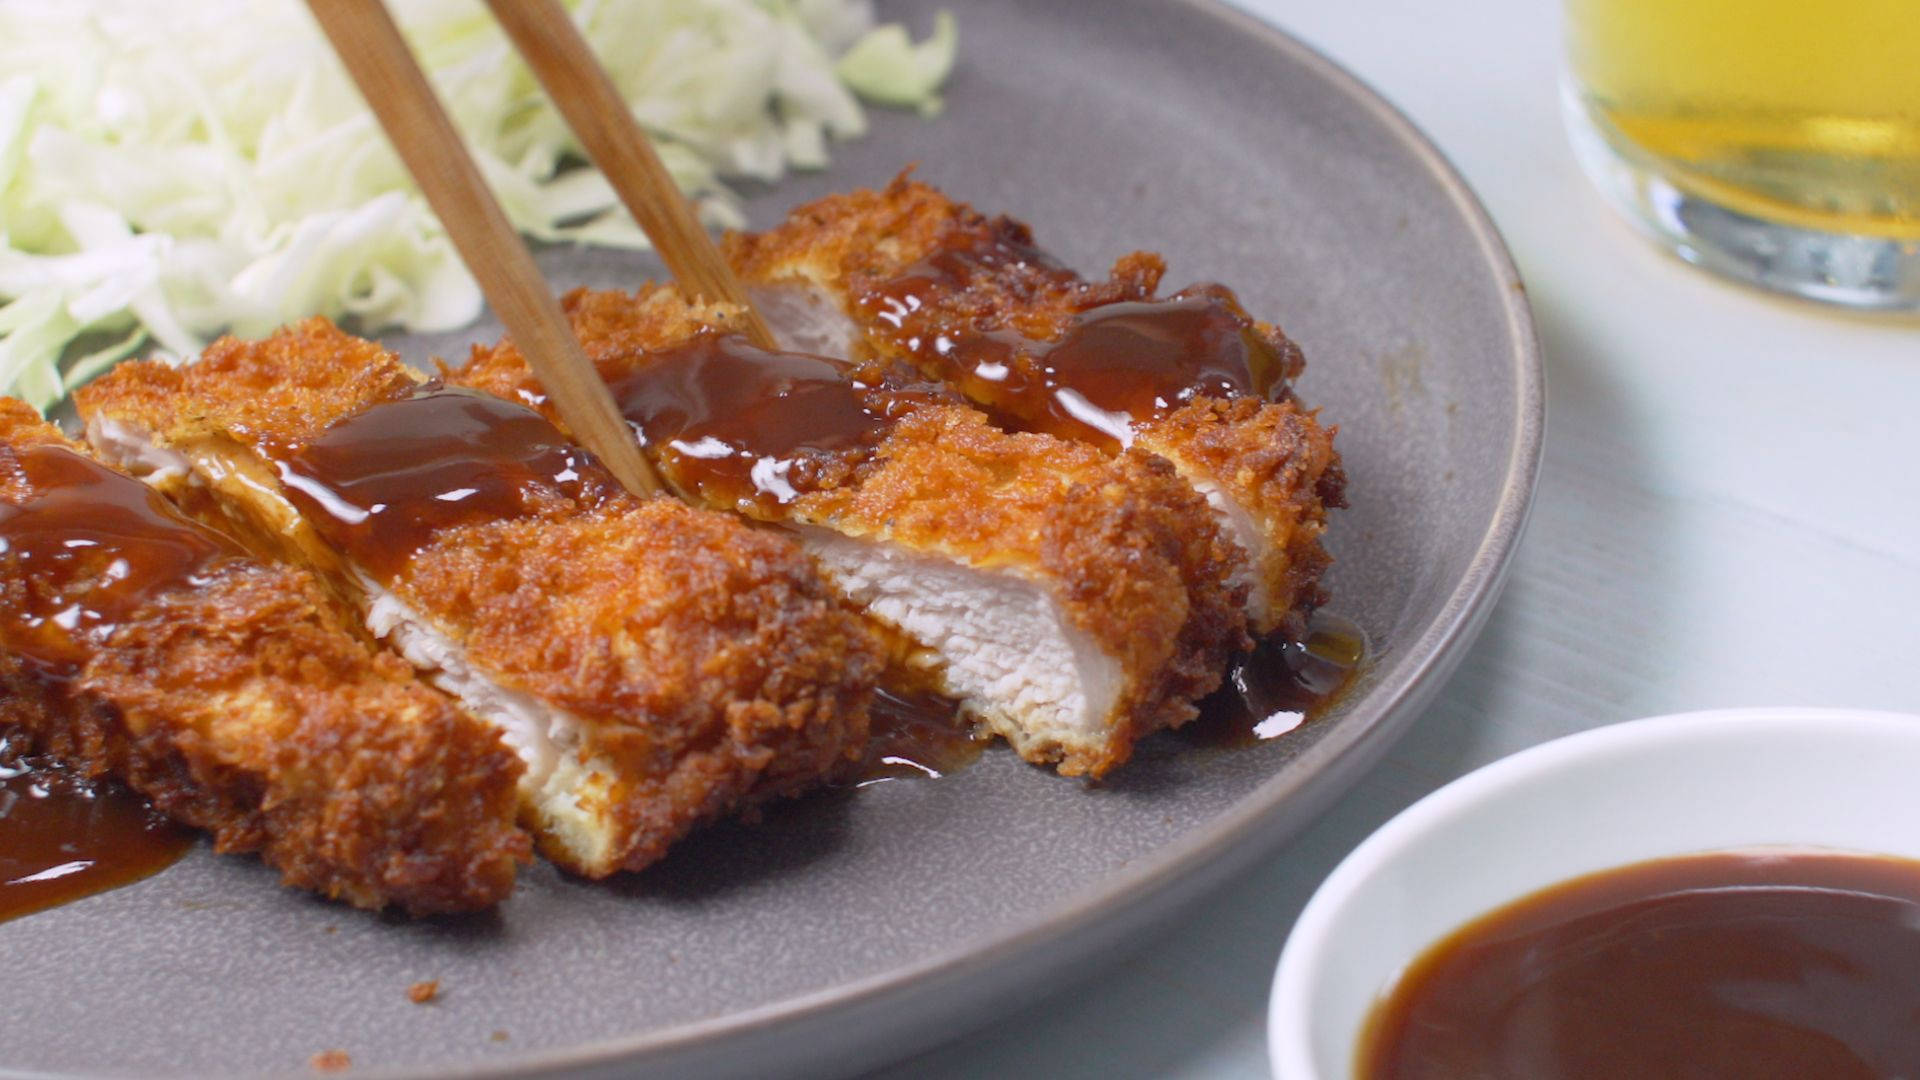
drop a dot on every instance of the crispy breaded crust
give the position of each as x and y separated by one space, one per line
242 707
712 664
1129 551
856 240
615 329
1277 462
1273 459
716 664
862 231
269 395
21 427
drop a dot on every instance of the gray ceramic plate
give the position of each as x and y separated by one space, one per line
846 928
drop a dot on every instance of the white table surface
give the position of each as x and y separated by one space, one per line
1728 514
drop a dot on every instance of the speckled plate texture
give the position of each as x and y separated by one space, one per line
850 927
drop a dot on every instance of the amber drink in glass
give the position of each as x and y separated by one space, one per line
1776 141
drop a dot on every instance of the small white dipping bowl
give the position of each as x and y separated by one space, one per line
1673 785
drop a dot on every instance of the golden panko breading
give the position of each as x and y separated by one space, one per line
656 665
973 303
227 692
1126 552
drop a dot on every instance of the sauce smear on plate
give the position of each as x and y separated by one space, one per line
1281 684
1722 965
916 735
63 837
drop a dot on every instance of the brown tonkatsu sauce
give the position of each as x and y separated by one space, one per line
380 484
1728 965
1116 364
64 837
1281 684
89 547
1006 246
1270 691
742 425
916 735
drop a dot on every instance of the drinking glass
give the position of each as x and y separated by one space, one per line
1774 141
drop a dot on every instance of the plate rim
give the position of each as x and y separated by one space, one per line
1252 826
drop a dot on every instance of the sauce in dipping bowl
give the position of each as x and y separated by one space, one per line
1697 809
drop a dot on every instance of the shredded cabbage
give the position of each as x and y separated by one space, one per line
886 66
169 172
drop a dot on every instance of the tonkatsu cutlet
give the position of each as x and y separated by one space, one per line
655 666
139 645
1070 601
907 274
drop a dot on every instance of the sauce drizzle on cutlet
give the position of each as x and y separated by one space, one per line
83 553
1116 364
741 425
380 484
64 837
88 547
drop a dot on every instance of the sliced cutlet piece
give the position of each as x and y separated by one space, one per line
655 666
910 275
140 645
1069 600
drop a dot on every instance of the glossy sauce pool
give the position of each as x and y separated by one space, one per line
1281 684
1748 965
382 483
743 426
63 837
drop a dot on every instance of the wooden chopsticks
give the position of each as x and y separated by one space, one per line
377 57
565 65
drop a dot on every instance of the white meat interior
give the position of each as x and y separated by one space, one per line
546 738
1240 527
1012 658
